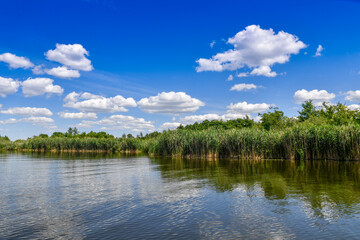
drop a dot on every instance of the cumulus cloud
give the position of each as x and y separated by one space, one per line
230 77
87 102
121 122
28 111
263 71
73 56
40 86
233 115
255 48
199 118
170 125
63 72
243 87
235 111
318 97
353 96
243 74
9 121
170 102
8 86
38 70
42 121
318 51
248 108
354 107
79 115
212 44
15 61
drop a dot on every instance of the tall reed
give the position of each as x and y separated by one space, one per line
299 142
81 144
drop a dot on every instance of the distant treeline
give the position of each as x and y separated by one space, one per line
326 132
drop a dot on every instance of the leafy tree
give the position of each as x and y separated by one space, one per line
57 134
219 124
338 114
309 110
271 120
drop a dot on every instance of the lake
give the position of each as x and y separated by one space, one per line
114 196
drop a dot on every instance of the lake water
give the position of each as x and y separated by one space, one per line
104 196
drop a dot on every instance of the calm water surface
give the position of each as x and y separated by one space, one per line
88 196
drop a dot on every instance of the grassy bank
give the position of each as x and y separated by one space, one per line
299 142
327 142
78 144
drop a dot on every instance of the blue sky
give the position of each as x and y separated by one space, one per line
134 66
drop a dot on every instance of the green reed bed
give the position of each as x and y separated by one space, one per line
302 141
81 144
299 142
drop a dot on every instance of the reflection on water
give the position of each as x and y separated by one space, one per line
76 196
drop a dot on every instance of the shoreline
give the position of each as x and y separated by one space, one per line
208 157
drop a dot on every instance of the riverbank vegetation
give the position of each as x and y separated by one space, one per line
329 132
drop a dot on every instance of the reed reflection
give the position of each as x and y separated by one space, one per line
327 187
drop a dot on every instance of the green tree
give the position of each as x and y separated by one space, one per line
308 110
272 120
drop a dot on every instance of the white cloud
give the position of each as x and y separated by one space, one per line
255 48
243 74
37 120
353 96
199 118
8 86
42 121
211 116
79 115
87 102
263 71
28 111
233 115
354 107
212 44
230 77
15 61
259 71
71 55
40 86
210 65
235 111
38 70
318 51
121 122
170 102
248 108
9 121
63 72
243 87
170 125
318 97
